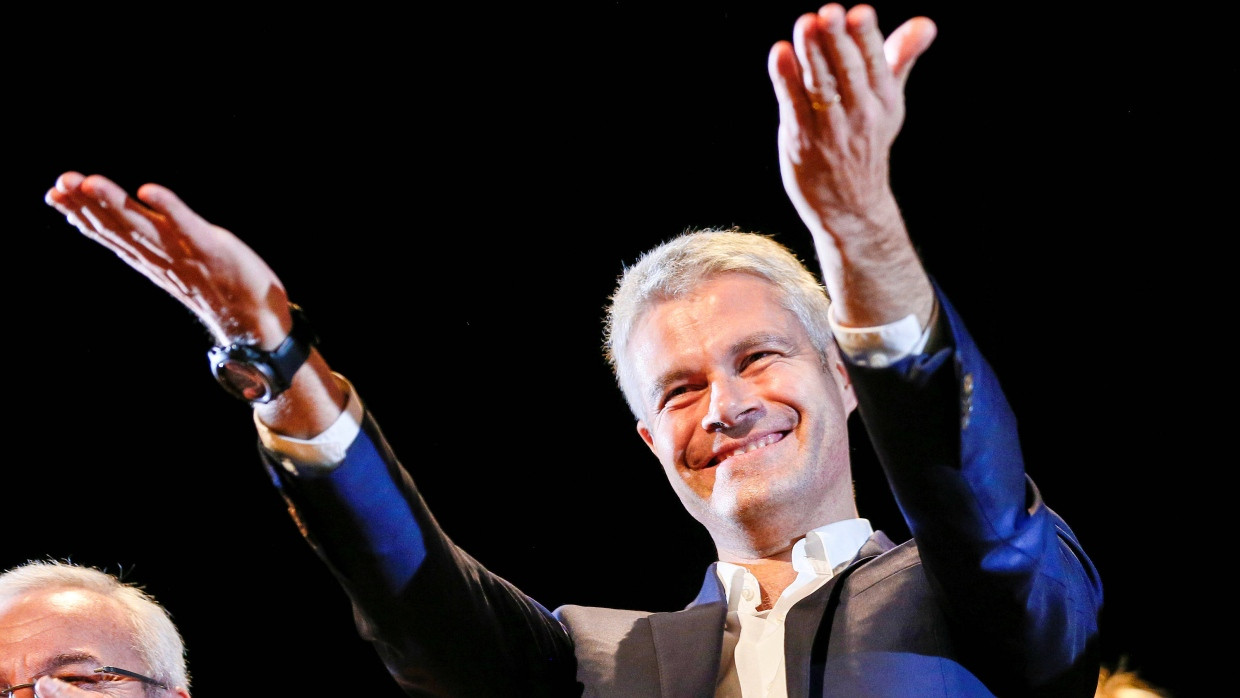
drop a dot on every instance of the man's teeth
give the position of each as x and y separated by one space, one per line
753 446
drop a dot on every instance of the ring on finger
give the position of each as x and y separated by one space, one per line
826 104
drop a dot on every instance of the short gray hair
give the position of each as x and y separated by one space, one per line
677 266
153 634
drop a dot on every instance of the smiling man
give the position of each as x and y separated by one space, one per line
741 368
742 377
747 415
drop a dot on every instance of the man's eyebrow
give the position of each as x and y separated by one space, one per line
67 658
661 383
760 339
64 659
740 346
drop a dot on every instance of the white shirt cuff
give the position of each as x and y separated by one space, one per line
881 346
322 452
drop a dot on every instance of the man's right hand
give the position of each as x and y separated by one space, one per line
212 272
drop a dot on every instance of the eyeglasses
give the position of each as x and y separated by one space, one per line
99 678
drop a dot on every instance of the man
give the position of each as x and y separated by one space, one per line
68 630
723 345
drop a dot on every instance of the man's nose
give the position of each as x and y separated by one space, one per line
732 402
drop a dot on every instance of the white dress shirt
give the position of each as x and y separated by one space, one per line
753 641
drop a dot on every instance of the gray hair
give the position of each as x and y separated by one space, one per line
153 634
677 266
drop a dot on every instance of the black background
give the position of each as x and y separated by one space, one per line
451 194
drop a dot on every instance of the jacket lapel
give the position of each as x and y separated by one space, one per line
804 648
688 643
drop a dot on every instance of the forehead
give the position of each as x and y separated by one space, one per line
709 322
38 627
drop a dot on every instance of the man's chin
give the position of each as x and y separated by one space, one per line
745 509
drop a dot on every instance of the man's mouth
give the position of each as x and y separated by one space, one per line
754 445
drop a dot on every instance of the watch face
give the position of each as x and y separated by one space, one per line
254 375
243 380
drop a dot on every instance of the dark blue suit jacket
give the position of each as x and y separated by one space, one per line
993 594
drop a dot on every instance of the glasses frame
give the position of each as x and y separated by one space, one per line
7 691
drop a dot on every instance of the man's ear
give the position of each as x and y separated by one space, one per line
643 432
847 394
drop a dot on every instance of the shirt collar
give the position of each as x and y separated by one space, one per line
817 554
827 547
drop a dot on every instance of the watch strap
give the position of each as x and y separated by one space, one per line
276 367
294 350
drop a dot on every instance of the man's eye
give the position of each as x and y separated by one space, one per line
672 394
755 357
89 683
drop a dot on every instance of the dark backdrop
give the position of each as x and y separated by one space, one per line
452 193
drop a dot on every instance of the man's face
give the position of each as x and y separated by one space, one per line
749 425
65 632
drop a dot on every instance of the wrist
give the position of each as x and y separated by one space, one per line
258 375
882 345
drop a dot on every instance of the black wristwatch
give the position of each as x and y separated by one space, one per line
256 376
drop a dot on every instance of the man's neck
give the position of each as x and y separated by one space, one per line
775 566
773 575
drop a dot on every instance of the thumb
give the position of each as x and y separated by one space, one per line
165 201
906 44
49 687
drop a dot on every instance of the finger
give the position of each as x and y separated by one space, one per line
210 292
104 191
64 189
124 221
69 181
785 75
850 68
163 199
189 233
862 26
141 237
817 78
50 687
144 238
113 212
796 114
84 211
906 44
140 251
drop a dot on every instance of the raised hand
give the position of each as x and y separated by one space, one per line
840 89
212 272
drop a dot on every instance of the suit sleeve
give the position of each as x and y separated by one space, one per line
1022 595
442 623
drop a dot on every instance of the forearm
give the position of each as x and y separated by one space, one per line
869 265
1007 570
312 403
439 619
